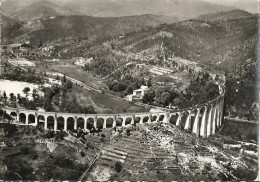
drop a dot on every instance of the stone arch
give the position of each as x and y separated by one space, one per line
22 118
119 121
161 117
209 119
193 116
100 123
137 119
146 119
153 118
183 119
80 123
128 120
70 123
90 123
31 118
14 115
41 120
187 122
214 121
50 122
196 123
202 111
109 122
179 119
60 123
173 118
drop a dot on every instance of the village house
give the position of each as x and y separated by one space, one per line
138 93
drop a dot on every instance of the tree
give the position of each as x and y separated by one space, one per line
5 48
129 89
149 82
164 99
5 95
26 90
64 78
12 96
35 93
18 97
118 167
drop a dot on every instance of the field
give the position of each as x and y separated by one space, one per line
17 87
67 68
103 103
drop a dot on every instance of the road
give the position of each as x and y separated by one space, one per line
90 165
240 120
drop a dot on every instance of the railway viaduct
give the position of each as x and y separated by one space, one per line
203 120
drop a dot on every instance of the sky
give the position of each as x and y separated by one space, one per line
252 6
247 5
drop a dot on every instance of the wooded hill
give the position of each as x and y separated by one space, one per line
214 43
63 27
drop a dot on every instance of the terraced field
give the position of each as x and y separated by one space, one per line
164 153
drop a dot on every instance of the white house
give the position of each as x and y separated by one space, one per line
138 93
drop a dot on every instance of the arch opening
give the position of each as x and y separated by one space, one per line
41 120
119 121
161 117
60 123
145 119
13 115
137 120
154 118
193 117
128 121
90 123
22 117
70 123
100 123
173 118
80 123
109 122
50 122
183 120
31 118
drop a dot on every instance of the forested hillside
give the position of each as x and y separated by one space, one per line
214 44
41 9
66 27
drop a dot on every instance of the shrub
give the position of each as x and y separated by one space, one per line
82 154
35 156
118 167
24 150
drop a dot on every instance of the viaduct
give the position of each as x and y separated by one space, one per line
203 120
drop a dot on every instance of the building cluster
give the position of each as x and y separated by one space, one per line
185 64
160 70
138 94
